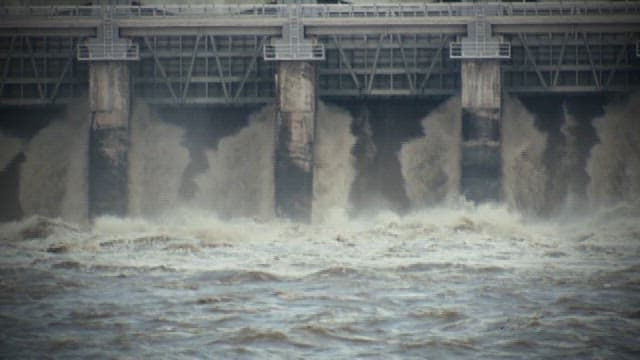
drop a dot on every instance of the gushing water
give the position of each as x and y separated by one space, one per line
334 168
157 161
523 168
53 179
239 182
431 164
464 283
614 165
453 280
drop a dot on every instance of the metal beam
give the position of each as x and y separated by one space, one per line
532 59
410 78
433 63
185 89
5 70
590 57
252 66
34 67
163 73
67 66
372 74
560 60
344 60
619 57
214 46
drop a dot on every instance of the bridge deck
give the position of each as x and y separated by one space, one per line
212 54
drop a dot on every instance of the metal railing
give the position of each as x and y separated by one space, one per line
51 11
301 52
204 10
475 50
116 51
332 11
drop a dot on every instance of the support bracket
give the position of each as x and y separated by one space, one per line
479 42
108 46
293 45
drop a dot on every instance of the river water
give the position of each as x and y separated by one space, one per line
201 269
456 282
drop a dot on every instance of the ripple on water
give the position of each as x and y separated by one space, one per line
252 336
337 272
235 277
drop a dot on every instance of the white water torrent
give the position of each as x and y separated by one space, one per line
523 171
614 165
176 281
239 181
53 178
157 160
430 164
334 170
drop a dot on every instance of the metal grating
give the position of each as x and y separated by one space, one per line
108 45
470 49
123 51
480 42
300 52
293 45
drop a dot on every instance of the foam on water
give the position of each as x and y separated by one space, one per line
454 280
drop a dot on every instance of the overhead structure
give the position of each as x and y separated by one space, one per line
296 51
108 45
480 42
293 46
212 54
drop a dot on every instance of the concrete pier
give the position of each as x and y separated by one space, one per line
481 175
109 139
295 128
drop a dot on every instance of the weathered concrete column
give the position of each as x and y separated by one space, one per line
109 139
481 177
295 128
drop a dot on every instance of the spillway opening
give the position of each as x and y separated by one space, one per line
18 126
381 129
203 128
559 153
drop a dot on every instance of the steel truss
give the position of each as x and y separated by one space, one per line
215 54
387 65
203 69
571 62
40 70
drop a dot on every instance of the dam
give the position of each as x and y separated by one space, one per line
112 55
301 179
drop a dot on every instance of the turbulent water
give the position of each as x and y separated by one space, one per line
53 178
614 165
524 173
446 280
443 283
431 164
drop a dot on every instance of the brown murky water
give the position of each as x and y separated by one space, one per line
445 283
